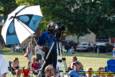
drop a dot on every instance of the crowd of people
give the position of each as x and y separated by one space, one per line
74 69
45 62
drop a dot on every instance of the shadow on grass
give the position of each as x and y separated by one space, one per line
7 51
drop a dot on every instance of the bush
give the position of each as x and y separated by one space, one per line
6 49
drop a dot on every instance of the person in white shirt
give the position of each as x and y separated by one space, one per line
39 52
3 66
59 68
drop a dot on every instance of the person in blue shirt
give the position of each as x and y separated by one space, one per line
110 65
76 71
46 40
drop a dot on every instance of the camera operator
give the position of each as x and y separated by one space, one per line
46 40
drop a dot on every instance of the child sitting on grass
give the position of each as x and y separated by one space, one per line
65 65
15 67
35 65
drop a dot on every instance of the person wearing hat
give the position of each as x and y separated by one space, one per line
45 41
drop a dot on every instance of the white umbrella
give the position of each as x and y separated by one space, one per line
21 23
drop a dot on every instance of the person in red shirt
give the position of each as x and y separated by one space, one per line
26 72
35 66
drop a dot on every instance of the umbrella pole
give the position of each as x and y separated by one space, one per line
41 69
33 40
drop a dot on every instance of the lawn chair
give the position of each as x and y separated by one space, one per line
14 71
10 68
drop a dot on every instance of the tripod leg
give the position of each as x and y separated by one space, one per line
57 48
60 48
40 71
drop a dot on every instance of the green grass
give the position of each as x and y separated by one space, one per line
88 59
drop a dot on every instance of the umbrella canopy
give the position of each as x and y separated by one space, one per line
21 23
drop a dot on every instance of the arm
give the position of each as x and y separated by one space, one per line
80 64
32 68
41 40
13 65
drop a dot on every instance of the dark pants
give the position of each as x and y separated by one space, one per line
52 59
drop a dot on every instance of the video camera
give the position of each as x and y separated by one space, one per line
59 31
56 29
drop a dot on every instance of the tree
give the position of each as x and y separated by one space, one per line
7 6
27 2
79 16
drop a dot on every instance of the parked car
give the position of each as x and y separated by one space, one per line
102 44
83 46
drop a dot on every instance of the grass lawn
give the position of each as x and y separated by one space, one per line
88 59
91 59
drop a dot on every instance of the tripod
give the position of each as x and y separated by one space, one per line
44 62
58 51
52 57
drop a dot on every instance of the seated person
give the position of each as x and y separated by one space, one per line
65 64
49 71
14 67
90 72
25 72
101 72
59 66
75 60
110 65
76 71
35 65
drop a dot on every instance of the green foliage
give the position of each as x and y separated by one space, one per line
6 49
27 2
7 6
79 16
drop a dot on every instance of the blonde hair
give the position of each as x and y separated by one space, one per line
33 58
49 71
